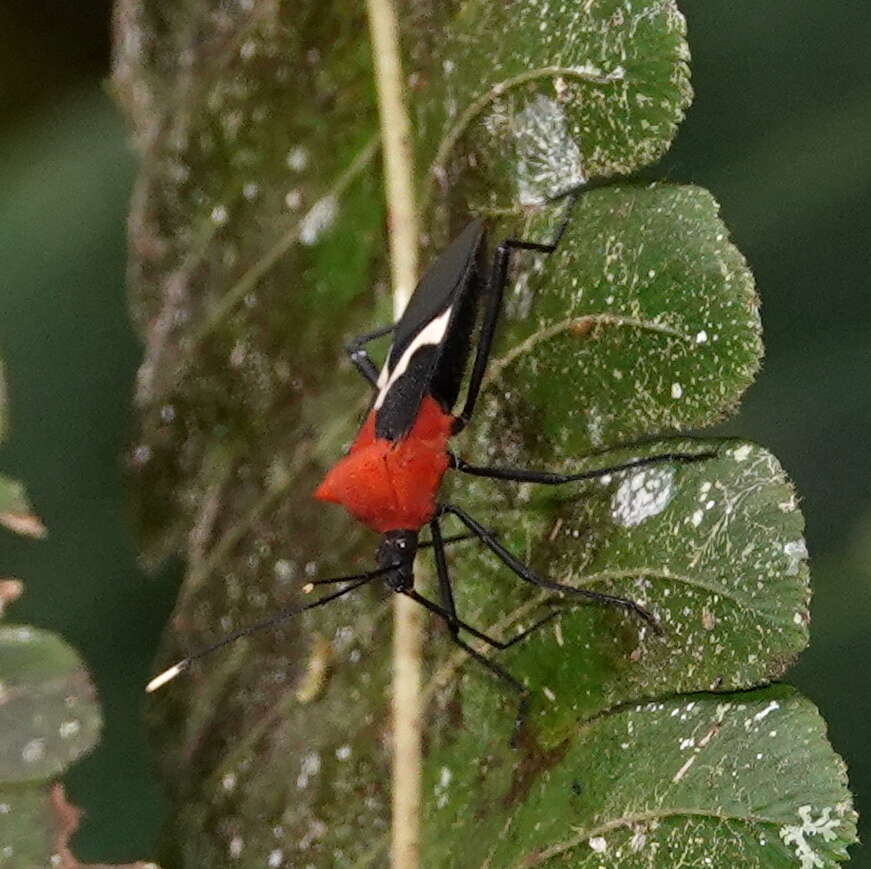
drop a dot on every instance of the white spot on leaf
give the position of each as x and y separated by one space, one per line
549 161
441 788
771 707
796 552
595 426
310 766
642 495
297 158
34 751
741 453
69 728
798 835
318 219
598 844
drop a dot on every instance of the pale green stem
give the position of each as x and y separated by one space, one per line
407 622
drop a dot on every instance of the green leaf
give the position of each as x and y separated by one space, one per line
258 248
49 717
738 779
622 332
713 548
25 827
36 824
561 93
16 512
258 206
4 423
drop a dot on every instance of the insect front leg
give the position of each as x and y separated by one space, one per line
448 612
360 358
454 538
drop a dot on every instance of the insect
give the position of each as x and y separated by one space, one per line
391 476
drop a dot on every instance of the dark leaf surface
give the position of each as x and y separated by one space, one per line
621 333
732 780
713 548
16 512
49 718
257 249
36 825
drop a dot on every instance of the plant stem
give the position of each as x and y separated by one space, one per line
407 622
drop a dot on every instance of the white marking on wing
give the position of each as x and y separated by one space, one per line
431 334
383 377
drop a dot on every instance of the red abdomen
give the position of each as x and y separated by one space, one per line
392 485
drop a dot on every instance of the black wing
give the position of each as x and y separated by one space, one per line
432 338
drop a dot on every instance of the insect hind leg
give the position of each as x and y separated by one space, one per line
527 575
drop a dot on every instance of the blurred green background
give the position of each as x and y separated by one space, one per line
780 132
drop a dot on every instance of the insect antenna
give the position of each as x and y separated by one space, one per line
356 580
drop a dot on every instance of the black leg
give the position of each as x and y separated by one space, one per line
521 570
360 357
495 291
455 625
447 609
446 591
448 612
454 538
506 679
549 478
454 622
